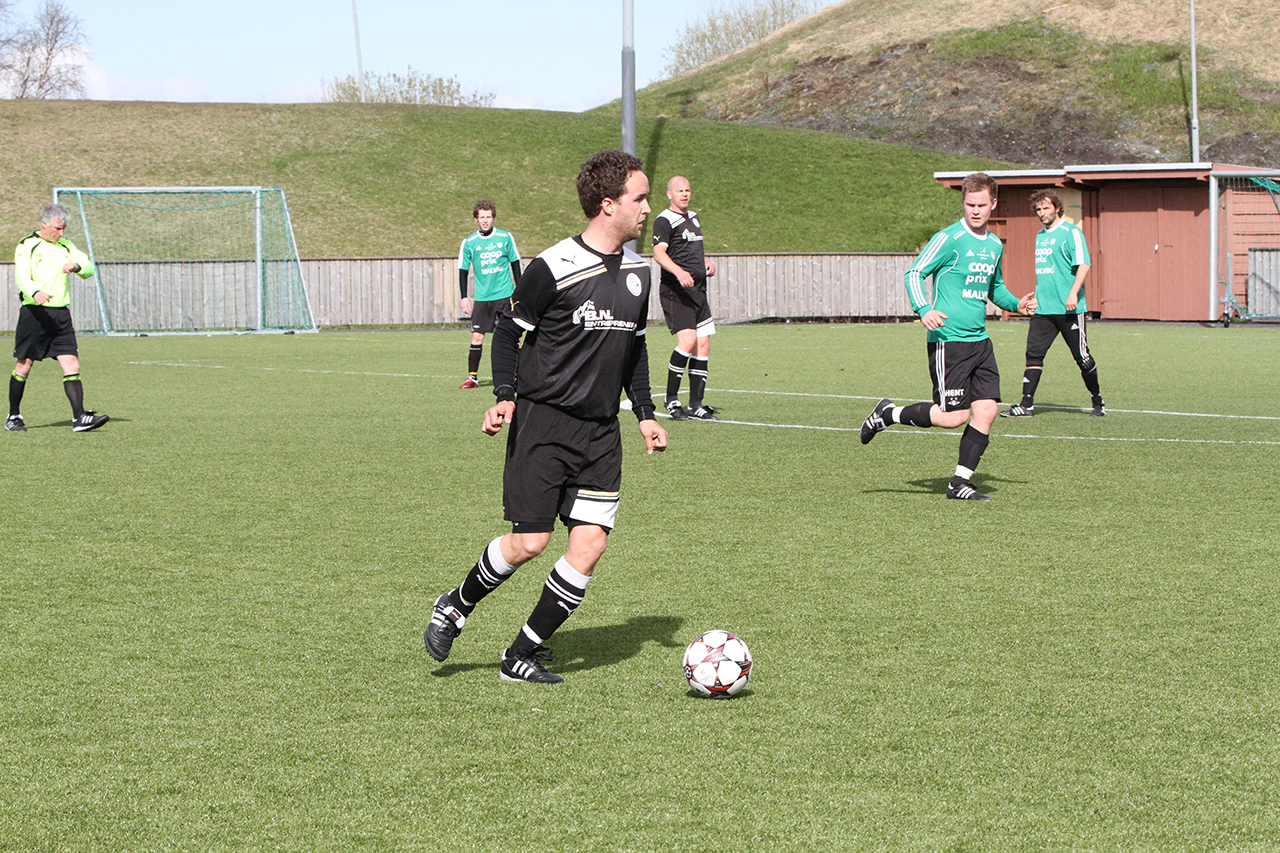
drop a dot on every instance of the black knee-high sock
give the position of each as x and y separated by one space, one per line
697 381
916 415
675 373
561 595
485 576
75 393
17 384
473 359
1030 380
972 445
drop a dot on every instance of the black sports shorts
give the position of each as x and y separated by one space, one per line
963 371
687 308
485 315
44 332
559 465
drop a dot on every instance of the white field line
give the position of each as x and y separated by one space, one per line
940 432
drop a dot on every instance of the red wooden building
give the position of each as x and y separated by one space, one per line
1153 230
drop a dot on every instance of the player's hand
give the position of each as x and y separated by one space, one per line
655 437
933 319
711 268
36 297
466 307
1072 302
684 278
71 266
499 414
1028 305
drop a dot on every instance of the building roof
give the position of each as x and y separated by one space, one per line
1085 176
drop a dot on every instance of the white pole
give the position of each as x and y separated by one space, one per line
1213 250
628 77
364 96
1195 108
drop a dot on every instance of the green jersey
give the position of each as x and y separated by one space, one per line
966 273
38 266
489 257
1060 251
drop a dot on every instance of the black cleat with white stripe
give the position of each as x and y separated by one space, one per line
875 421
965 492
446 624
528 666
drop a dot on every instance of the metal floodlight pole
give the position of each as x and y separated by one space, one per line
1195 108
355 17
628 77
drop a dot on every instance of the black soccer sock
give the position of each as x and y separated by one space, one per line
561 595
675 373
17 384
75 393
473 359
1030 380
485 576
697 381
916 415
973 444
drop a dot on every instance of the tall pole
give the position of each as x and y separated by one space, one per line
1195 107
628 77
355 16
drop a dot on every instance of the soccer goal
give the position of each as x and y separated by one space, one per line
1245 239
186 259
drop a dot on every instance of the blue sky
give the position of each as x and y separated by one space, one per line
560 55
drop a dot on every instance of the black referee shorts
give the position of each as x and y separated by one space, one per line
559 465
44 332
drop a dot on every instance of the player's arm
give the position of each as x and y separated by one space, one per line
464 265
83 267
930 260
1004 298
505 354
635 379
1073 296
22 271
663 258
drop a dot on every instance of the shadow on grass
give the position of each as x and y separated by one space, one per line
938 485
581 649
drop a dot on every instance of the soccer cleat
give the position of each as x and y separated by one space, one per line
702 413
469 383
875 421
87 421
1099 408
677 411
528 667
1018 411
15 423
446 624
965 492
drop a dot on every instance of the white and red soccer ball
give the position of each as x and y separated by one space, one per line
717 664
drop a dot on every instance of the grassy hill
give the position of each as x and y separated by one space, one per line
395 181
1038 82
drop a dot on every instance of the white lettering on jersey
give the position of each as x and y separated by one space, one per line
591 319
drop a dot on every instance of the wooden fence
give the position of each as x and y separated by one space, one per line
748 287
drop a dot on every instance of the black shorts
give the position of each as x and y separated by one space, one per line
485 315
44 333
559 465
1046 327
963 371
687 308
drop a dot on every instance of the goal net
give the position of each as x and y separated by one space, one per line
1246 244
185 259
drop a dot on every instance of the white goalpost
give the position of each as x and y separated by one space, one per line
186 259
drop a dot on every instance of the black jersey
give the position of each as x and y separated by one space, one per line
682 234
584 315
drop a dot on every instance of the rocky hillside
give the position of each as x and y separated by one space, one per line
1038 82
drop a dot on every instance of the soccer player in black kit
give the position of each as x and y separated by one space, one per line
582 307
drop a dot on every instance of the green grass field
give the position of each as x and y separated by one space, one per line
213 608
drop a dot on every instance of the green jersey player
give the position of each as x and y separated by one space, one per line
491 256
1062 263
964 262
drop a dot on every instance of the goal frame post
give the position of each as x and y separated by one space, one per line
258 322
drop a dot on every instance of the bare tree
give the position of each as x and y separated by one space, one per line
414 87
42 59
727 28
